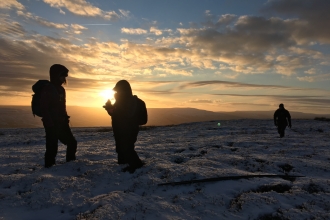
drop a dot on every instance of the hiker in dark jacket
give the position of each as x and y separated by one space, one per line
127 114
54 116
282 118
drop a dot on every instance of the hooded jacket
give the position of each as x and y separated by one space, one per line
127 113
53 98
282 117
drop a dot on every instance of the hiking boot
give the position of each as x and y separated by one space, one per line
140 165
49 162
129 169
121 161
68 159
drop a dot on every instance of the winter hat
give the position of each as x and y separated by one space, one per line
58 70
281 105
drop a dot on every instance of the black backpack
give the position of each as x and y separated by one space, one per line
142 113
37 89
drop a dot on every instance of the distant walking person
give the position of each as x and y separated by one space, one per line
282 118
127 114
54 116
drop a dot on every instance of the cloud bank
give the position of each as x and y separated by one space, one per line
288 41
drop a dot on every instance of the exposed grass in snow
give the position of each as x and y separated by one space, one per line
93 187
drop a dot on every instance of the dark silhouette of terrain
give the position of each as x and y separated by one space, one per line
21 116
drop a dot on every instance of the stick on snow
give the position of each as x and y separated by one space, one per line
286 177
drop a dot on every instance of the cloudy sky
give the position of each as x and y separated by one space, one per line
218 55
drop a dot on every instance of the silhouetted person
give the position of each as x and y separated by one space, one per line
127 114
54 116
282 118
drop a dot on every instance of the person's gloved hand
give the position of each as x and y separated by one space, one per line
108 106
289 126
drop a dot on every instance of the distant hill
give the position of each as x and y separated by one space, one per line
270 115
21 116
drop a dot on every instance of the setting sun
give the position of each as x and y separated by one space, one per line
107 94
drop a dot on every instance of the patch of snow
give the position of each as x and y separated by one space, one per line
94 187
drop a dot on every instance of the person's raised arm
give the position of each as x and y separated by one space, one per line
108 107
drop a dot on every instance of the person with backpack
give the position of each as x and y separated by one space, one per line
54 116
127 114
282 118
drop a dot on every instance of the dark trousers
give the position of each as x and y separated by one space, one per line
127 154
64 134
281 130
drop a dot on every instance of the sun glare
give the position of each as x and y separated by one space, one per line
107 94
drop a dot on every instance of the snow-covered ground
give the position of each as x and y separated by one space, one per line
94 187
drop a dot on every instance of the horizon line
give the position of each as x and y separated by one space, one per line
178 108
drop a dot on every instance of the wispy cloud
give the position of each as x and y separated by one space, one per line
272 96
155 31
73 28
125 13
137 31
172 71
96 24
83 8
228 83
77 29
311 71
226 19
10 28
41 21
11 4
290 100
200 101
314 78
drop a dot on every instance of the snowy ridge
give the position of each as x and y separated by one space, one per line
93 187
